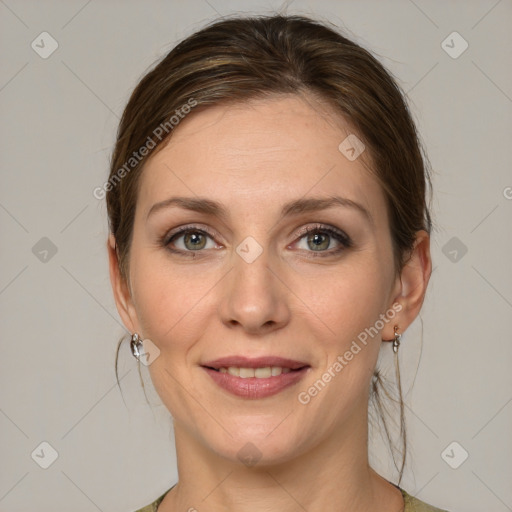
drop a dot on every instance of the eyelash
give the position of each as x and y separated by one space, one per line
343 239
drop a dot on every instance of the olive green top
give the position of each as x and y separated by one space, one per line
412 504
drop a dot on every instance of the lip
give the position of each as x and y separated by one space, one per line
254 388
257 362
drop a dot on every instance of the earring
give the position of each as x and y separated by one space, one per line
396 341
136 346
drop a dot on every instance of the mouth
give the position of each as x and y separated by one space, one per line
255 378
264 372
254 363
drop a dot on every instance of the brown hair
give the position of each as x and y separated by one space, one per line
236 59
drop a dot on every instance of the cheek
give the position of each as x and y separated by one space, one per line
174 305
346 300
168 299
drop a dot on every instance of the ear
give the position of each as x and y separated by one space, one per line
411 285
121 288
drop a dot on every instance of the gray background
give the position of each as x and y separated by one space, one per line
59 325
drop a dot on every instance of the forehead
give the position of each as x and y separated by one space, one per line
258 152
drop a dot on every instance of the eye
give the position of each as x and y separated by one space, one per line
189 239
321 238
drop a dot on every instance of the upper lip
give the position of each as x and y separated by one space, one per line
257 362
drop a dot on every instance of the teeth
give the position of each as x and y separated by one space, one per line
263 373
259 373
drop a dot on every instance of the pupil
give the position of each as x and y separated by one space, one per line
194 239
318 240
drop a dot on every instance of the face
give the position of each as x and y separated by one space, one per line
254 261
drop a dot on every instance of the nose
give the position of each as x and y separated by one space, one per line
254 297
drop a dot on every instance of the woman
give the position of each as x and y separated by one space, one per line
269 229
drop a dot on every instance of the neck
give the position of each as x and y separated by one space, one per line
332 476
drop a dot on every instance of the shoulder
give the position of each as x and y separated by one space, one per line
413 504
152 507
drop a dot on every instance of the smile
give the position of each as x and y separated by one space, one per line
255 383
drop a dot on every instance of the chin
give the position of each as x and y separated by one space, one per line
256 446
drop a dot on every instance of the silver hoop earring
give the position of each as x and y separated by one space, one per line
136 346
396 341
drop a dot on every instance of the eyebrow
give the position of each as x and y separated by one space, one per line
303 205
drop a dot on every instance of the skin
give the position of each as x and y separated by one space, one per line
253 158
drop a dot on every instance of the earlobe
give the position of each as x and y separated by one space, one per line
414 279
120 287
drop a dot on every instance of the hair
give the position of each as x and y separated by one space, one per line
233 60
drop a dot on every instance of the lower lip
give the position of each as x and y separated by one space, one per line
252 387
